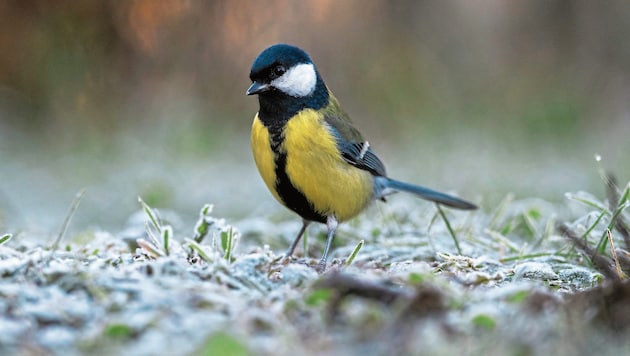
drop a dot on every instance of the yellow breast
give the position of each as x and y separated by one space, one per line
316 168
264 156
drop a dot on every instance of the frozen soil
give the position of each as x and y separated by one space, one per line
516 286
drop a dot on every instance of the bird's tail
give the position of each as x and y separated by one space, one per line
386 186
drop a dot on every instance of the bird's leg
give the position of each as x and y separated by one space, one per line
289 253
331 223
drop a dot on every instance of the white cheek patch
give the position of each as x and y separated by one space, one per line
298 81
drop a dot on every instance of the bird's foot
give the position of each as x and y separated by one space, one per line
321 267
278 263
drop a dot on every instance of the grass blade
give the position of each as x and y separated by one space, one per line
450 229
601 246
150 248
166 236
499 212
599 218
203 224
71 210
197 248
354 253
587 202
5 238
229 243
151 214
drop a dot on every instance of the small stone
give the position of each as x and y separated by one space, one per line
535 270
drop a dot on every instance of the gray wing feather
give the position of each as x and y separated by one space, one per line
360 155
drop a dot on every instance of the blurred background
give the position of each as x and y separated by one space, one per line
147 98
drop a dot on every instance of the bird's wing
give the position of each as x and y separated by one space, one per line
361 156
354 149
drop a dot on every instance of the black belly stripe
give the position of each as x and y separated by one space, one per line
290 195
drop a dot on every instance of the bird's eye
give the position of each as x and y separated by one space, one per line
278 71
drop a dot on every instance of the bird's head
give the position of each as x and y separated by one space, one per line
283 69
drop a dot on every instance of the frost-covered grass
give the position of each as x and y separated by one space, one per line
397 283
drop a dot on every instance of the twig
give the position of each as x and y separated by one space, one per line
614 255
601 262
624 259
614 202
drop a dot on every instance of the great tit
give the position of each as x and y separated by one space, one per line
311 157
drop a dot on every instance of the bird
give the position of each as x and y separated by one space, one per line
308 152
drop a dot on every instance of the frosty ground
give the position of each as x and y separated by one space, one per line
505 281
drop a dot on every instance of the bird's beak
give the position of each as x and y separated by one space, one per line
257 88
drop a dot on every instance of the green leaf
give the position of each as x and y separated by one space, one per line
416 278
518 297
485 321
224 345
119 331
318 297
534 213
203 224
